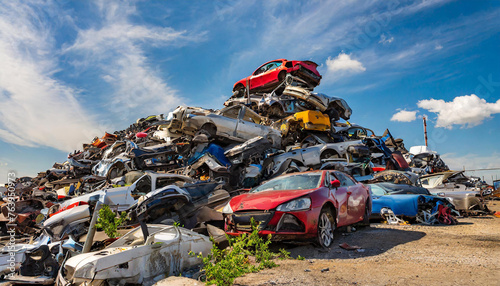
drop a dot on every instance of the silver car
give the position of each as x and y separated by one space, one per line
312 156
237 123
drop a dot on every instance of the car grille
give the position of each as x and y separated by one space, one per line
242 219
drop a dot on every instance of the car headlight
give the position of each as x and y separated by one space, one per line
295 205
87 271
227 209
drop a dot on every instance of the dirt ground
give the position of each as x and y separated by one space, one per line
463 254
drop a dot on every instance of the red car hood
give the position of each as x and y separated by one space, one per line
265 200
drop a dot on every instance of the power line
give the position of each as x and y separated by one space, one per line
488 169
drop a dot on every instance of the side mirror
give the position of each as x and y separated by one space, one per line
335 183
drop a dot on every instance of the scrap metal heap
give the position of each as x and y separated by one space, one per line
184 167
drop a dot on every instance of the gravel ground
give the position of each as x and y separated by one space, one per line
463 254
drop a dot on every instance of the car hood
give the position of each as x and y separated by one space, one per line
265 200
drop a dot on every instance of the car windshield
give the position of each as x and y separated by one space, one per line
377 191
293 182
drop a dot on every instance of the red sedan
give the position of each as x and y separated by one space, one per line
300 206
269 75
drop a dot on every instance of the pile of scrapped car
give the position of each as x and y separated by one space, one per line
277 152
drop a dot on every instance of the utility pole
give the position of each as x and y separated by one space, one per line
425 131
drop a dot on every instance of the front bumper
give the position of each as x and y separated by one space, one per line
280 225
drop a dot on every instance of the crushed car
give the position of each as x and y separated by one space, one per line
300 206
237 123
395 204
135 259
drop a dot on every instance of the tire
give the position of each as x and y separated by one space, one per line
281 76
366 216
326 227
239 91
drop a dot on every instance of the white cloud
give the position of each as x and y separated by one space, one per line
344 64
117 49
37 109
438 47
404 116
385 39
467 111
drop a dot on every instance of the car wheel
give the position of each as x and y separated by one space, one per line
239 91
326 227
281 76
366 216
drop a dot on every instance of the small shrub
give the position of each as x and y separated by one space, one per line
222 266
284 254
300 257
109 222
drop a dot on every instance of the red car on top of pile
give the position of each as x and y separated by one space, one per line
269 75
300 206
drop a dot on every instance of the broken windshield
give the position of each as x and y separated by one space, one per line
294 182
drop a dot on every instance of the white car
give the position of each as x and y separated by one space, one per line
72 214
133 259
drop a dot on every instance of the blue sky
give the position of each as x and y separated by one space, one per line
70 70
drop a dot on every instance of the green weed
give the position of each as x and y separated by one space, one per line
109 222
246 253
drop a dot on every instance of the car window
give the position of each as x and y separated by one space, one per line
143 186
231 112
251 116
356 133
377 191
345 181
165 181
327 179
268 67
293 182
260 70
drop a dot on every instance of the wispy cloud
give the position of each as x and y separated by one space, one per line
384 39
328 27
404 116
117 49
467 111
37 109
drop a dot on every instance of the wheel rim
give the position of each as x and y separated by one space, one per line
325 230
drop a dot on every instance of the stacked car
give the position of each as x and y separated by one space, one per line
277 153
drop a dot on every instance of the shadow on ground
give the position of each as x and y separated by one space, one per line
373 241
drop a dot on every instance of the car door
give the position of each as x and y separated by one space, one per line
227 121
357 197
265 74
248 125
355 194
341 196
311 155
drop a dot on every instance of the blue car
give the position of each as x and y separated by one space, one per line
412 203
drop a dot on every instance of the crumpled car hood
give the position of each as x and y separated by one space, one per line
265 200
